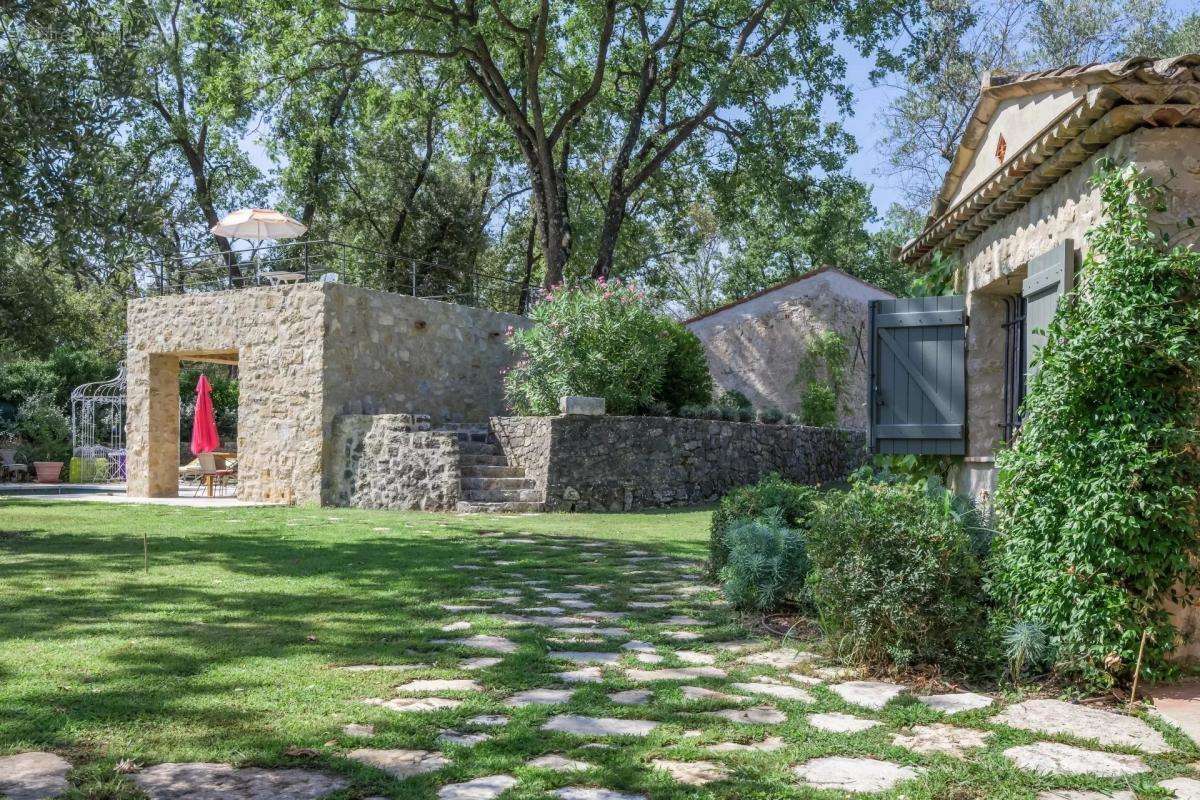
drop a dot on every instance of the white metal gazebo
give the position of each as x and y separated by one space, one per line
98 431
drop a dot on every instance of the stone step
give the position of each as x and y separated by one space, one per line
502 495
479 448
490 471
483 484
513 507
481 460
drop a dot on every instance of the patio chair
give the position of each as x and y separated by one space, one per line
10 470
212 473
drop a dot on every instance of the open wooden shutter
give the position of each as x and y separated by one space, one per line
1050 274
918 376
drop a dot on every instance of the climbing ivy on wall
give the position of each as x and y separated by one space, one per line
1097 499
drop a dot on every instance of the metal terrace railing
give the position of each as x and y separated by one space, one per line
326 260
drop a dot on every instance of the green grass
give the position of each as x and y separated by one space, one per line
225 651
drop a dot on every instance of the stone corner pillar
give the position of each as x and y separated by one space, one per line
152 421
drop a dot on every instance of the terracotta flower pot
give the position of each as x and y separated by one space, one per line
48 471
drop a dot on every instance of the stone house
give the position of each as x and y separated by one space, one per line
1014 210
755 345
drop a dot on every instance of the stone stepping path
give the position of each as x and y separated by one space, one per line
203 781
939 739
440 685
487 788
33 776
768 745
482 642
632 697
957 702
841 723
780 659
1070 794
584 657
591 793
674 674
415 704
692 773
855 775
383 667
1107 728
599 726
585 675
868 694
489 720
779 692
459 739
1052 758
358 731
700 693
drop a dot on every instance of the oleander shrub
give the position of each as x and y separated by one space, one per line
767 565
1097 499
893 577
770 496
686 380
596 339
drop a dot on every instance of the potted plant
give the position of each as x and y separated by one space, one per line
46 432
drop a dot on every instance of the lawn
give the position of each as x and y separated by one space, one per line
228 649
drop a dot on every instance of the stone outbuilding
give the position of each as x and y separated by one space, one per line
1014 210
755 345
306 354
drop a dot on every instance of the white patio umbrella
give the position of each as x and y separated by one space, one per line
258 224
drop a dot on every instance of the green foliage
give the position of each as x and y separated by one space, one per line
1025 647
734 399
894 578
767 565
1097 499
43 430
770 416
224 397
942 276
686 381
53 376
772 495
597 339
822 374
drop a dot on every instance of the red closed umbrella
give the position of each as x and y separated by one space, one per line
204 423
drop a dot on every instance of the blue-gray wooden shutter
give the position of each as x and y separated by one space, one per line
918 380
1050 274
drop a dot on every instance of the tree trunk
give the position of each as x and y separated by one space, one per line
523 301
391 280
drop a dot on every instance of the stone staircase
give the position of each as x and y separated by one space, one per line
487 482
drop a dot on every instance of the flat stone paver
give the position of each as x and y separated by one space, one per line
857 775
835 722
440 685
674 674
692 773
33 776
599 726
576 657
461 625
957 702
415 704
400 763
1105 727
767 745
201 781
779 692
539 697
700 693
758 715
487 788
489 720
461 739
558 763
631 697
780 659
483 662
1182 788
1070 794
868 694
694 657
382 667
940 739
593 793
1052 758
584 675
482 641
683 636
358 731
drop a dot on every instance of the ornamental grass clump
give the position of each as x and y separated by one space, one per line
1097 499
767 566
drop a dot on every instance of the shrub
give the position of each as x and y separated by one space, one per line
893 577
1097 499
44 429
793 419
771 416
818 406
730 413
692 412
712 412
656 408
745 415
598 339
771 495
767 565
822 374
734 399
686 380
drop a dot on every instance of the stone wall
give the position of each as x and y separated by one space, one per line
623 463
389 461
755 346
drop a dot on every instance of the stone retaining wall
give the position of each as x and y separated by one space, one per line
391 461
623 463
